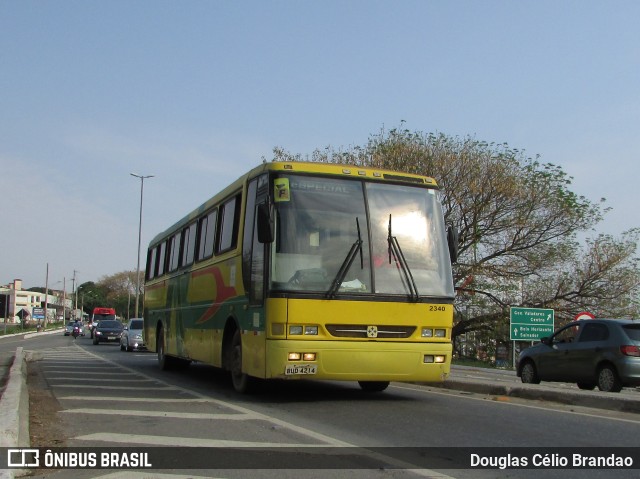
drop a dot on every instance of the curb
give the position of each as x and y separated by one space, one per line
14 410
578 398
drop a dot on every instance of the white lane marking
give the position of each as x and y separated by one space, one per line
93 373
150 475
164 414
292 427
234 407
104 380
89 386
185 441
133 399
199 442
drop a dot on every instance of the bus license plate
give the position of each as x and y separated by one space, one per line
300 369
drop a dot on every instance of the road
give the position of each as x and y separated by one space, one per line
108 397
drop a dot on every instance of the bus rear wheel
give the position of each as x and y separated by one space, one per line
373 386
243 383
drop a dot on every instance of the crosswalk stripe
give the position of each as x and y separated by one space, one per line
163 414
184 441
105 380
147 475
91 386
133 399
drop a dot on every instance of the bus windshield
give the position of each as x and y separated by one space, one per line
372 238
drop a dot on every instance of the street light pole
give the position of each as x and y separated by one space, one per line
142 177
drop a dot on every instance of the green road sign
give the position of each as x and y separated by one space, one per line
531 324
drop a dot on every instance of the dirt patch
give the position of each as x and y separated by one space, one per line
45 425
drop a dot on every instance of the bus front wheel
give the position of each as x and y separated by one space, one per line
168 362
243 383
163 360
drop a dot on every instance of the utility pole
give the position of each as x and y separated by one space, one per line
64 300
75 295
46 299
6 311
142 177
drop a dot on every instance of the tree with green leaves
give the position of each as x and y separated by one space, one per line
113 291
518 224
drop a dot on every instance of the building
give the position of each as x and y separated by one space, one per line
17 303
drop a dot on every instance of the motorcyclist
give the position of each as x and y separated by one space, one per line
76 328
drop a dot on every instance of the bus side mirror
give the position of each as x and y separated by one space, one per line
265 222
452 241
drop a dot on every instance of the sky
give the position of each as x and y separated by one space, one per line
197 92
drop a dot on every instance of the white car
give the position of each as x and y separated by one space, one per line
131 338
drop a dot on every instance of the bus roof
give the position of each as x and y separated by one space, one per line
104 311
344 171
331 169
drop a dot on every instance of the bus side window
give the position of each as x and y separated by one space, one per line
229 222
188 244
206 229
161 258
151 262
247 241
202 236
174 252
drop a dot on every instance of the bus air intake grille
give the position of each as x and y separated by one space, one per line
369 331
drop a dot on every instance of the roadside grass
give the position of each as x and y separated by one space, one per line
31 327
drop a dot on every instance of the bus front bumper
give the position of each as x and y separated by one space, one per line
359 360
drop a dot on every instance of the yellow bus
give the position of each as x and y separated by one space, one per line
307 271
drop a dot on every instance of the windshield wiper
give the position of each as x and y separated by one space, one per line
346 264
394 248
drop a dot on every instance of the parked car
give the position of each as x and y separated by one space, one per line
68 329
107 330
590 352
131 338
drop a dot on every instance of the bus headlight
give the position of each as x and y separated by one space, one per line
430 333
306 330
427 333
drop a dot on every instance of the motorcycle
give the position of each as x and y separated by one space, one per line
76 332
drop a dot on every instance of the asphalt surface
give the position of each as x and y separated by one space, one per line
14 396
496 382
